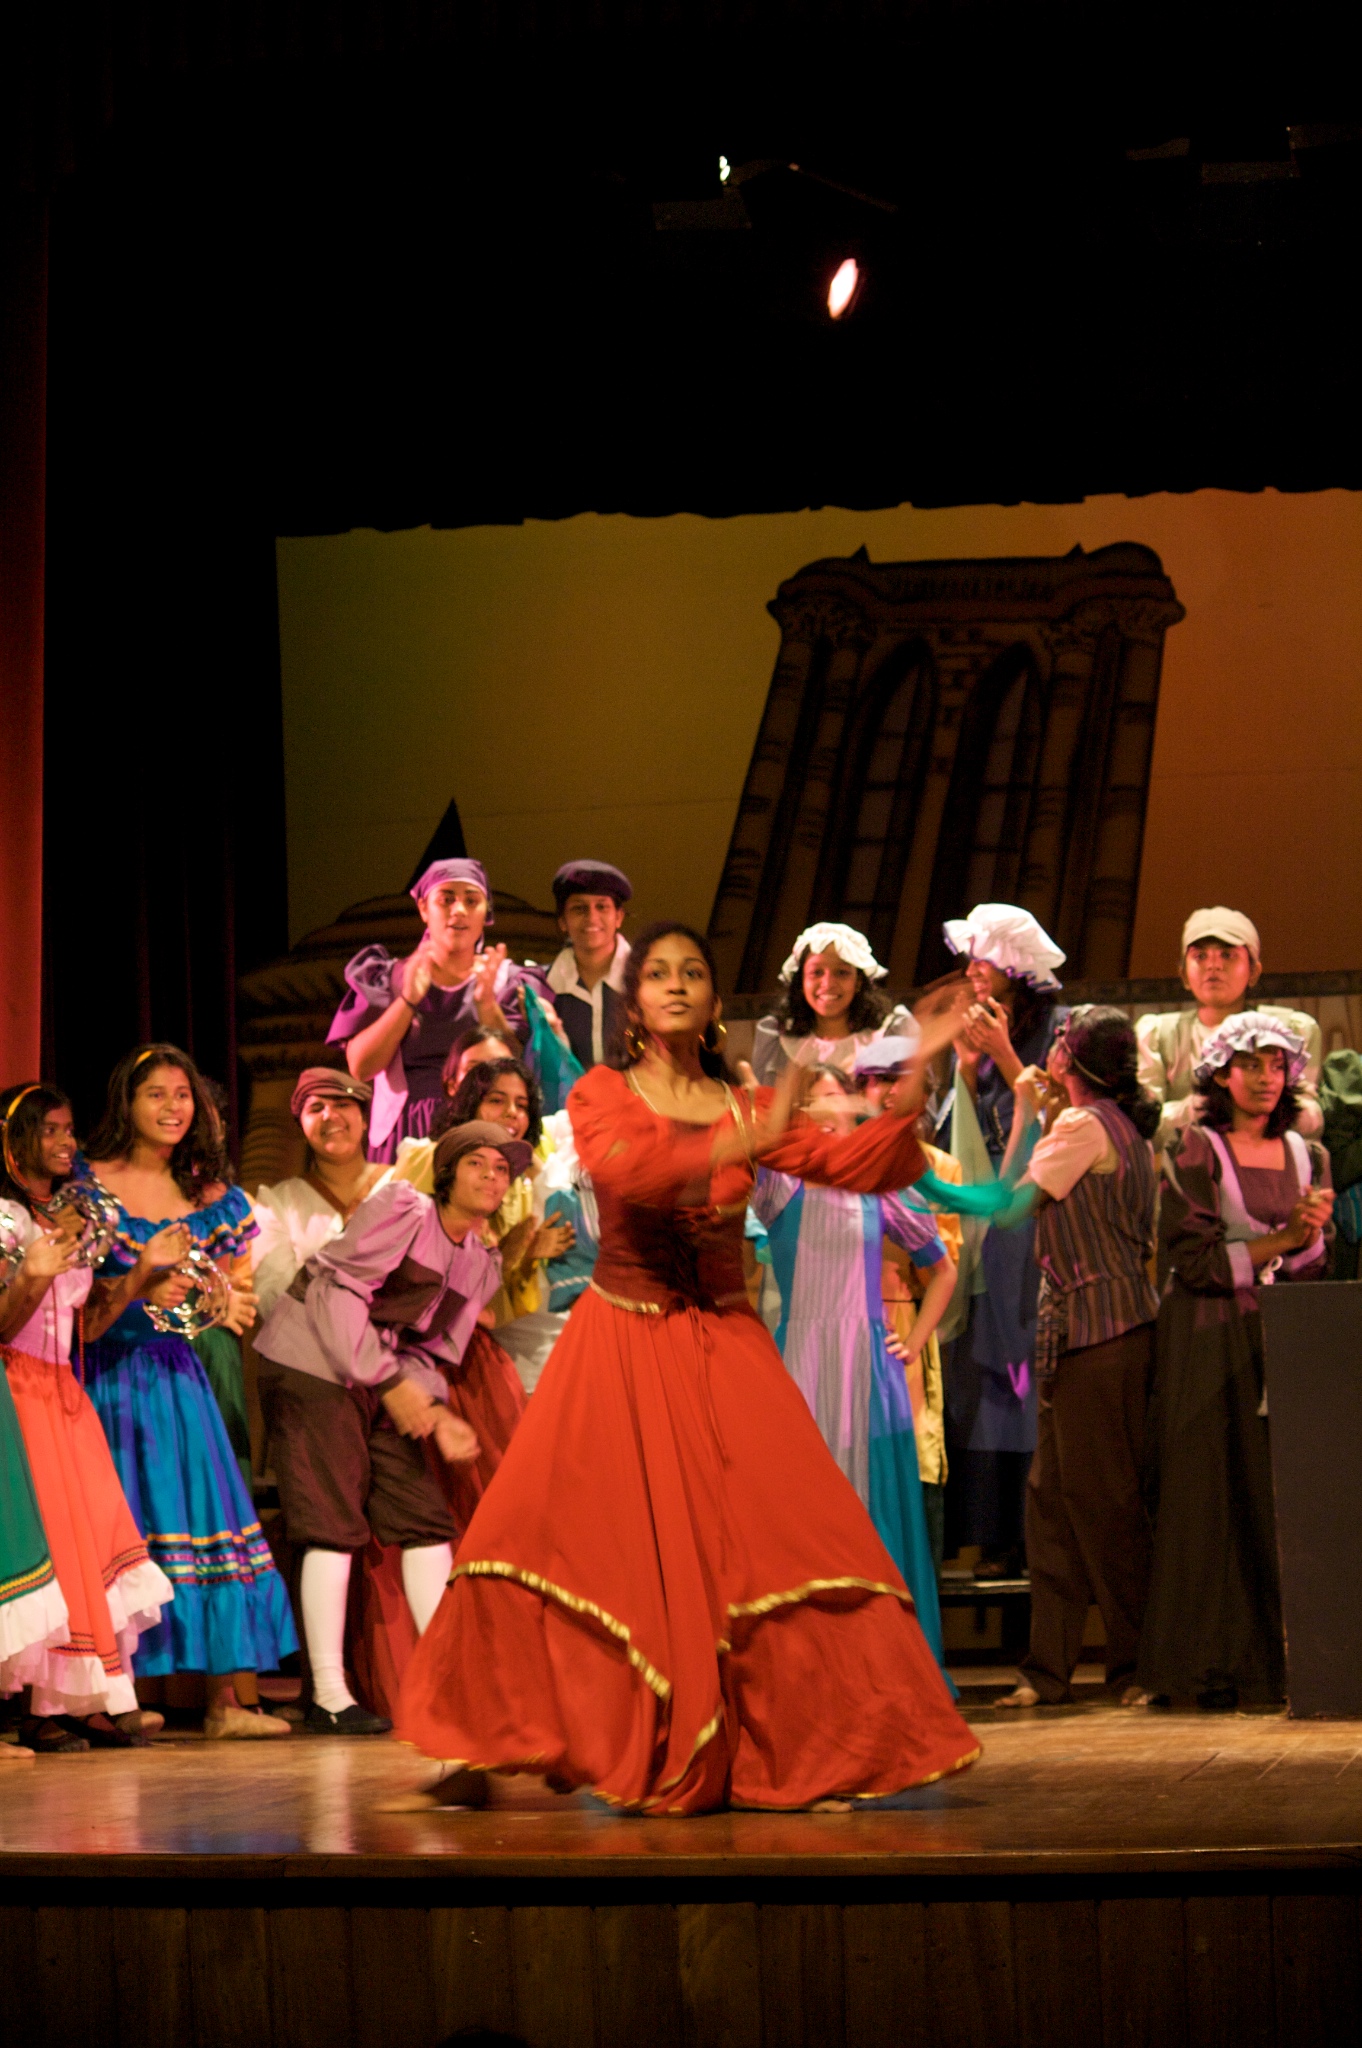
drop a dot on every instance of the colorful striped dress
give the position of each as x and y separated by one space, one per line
172 1454
827 1254
32 1610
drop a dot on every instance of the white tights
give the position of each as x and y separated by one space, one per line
324 1589
425 1573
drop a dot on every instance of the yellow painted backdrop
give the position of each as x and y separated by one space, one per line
593 687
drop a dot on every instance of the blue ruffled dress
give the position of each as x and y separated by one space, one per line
170 1447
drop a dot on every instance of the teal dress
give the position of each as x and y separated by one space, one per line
185 1488
827 1252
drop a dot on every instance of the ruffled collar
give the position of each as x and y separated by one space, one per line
223 1225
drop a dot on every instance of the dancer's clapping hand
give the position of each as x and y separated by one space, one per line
49 1255
154 1275
241 1308
1309 1215
484 986
416 973
984 1030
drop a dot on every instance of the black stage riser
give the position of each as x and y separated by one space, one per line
1236 1957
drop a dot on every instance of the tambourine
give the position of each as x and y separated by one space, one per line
12 1248
98 1217
205 1305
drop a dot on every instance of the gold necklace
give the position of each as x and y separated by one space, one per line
730 1101
732 1109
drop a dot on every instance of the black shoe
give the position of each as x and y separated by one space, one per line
351 1720
49 1737
101 1733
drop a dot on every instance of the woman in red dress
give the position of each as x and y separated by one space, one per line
669 1593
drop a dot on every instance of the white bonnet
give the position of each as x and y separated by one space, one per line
1249 1031
851 946
1009 938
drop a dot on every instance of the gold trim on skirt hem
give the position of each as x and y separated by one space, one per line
914 1785
534 1582
495 1568
769 1601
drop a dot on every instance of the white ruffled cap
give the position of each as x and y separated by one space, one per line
1009 938
851 946
1250 1031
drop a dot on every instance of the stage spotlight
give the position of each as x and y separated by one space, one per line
725 170
846 282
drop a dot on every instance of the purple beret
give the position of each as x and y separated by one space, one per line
591 878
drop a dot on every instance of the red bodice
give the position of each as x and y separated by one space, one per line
671 1227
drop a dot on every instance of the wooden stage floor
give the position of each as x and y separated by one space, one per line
1081 1789
1109 1879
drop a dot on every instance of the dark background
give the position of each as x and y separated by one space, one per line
393 265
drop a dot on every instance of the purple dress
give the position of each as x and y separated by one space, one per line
410 1089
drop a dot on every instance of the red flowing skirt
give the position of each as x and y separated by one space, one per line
671 1595
112 1589
487 1394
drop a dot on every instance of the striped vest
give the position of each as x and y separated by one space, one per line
1094 1248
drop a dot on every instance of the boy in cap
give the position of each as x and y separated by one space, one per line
1221 961
352 1382
588 975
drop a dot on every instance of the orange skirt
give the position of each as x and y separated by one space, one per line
671 1595
487 1394
112 1589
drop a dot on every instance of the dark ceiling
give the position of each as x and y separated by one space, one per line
394 265
391 262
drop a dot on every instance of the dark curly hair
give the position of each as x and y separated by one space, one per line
23 1128
618 1053
1101 1043
465 1104
797 1019
1215 1108
199 1161
476 1034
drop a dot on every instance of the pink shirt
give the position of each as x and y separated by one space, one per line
48 1331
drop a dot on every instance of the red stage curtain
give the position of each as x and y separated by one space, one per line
23 438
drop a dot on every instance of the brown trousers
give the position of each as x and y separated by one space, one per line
1087 1532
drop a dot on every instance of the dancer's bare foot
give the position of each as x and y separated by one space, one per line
1022 1696
832 1806
14 1752
1134 1696
453 1788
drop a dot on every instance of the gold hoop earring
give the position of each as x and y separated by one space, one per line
720 1031
635 1044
